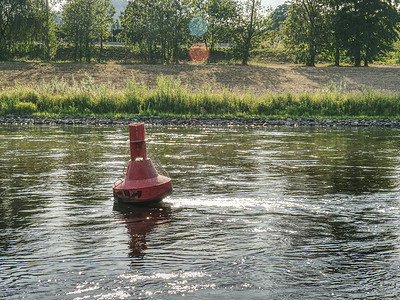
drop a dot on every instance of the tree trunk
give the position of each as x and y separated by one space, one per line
246 54
47 39
250 32
357 58
311 62
337 57
101 48
312 53
366 58
88 52
176 48
245 60
3 48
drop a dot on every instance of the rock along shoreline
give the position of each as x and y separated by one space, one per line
18 120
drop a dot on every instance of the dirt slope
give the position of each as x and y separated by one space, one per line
256 78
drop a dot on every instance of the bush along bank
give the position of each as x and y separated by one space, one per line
171 100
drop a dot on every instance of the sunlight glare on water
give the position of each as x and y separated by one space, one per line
275 213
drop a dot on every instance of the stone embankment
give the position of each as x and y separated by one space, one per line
198 121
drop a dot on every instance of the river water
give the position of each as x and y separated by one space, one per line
275 213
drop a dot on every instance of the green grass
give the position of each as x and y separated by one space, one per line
171 98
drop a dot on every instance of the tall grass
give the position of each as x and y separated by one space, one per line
171 98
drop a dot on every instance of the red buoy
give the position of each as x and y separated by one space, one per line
142 183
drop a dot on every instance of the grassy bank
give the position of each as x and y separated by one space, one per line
171 98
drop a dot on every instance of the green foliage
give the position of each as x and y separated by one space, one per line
159 28
170 97
220 55
86 22
271 50
46 26
220 16
249 29
362 30
279 15
368 28
25 26
64 53
305 31
393 56
20 100
25 108
157 31
15 21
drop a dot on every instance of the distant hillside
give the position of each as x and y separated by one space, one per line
120 6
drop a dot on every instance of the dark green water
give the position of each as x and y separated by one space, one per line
255 214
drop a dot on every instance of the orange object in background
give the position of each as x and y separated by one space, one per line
199 53
142 183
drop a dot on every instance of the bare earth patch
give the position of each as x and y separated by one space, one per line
259 79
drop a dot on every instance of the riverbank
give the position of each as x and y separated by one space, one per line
18 120
175 99
170 98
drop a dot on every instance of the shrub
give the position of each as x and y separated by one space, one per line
25 108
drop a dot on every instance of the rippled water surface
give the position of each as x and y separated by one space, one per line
255 214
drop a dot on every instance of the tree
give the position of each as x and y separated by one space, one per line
86 22
139 25
369 28
220 15
249 29
305 32
334 24
279 16
104 24
26 25
174 31
115 30
182 12
44 26
159 28
14 19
